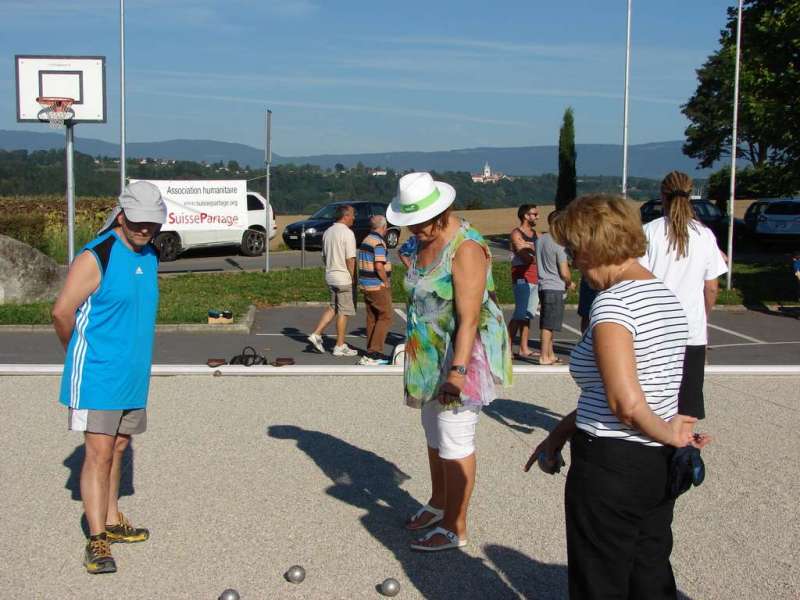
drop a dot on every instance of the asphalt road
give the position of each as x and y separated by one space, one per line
735 337
225 259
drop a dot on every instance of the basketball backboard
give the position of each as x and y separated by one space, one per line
80 77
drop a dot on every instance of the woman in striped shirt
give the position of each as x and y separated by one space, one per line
628 365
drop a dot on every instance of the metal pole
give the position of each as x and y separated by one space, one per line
303 247
69 151
734 146
122 159
625 110
268 162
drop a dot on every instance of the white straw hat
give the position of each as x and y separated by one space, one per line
419 199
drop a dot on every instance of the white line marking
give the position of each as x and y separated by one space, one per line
301 370
290 335
400 313
572 329
750 344
741 335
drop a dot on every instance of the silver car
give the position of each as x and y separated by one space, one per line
777 219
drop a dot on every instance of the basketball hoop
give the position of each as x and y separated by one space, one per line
56 110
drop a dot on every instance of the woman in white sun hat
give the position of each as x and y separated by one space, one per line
457 349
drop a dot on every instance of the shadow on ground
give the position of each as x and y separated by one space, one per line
522 416
74 462
363 479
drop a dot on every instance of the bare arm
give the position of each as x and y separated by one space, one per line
351 267
710 293
554 442
522 248
406 261
82 280
380 269
566 275
616 361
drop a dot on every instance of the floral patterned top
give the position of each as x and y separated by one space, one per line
431 326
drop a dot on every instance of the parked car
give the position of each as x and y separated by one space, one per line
317 223
707 213
774 220
250 241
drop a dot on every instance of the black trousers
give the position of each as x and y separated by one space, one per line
690 396
619 520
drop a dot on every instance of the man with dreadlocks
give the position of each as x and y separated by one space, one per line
683 253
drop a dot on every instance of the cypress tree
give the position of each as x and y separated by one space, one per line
567 181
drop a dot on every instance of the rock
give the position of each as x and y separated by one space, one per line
27 275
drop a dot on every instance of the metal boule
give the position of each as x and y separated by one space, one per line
390 587
295 574
229 594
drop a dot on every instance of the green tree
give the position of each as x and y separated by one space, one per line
769 116
567 179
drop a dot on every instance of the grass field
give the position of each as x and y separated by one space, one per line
187 298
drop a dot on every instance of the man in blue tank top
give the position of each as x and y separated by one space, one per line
105 318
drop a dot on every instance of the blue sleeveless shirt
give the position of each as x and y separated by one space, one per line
108 360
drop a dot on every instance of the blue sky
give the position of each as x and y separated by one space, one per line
356 76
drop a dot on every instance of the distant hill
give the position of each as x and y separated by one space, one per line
645 160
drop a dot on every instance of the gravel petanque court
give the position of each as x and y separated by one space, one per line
238 478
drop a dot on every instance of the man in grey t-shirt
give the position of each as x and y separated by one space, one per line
554 279
339 254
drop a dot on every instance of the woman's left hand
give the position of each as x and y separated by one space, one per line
450 391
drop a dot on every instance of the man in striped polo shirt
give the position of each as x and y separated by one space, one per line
374 273
105 319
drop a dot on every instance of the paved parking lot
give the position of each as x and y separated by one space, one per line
735 338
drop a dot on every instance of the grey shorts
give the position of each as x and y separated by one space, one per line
551 309
342 299
109 422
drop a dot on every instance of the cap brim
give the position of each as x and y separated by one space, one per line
447 194
141 215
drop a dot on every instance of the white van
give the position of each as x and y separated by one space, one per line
212 213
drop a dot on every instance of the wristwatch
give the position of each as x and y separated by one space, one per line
460 369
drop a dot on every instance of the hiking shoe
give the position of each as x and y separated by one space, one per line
373 359
124 532
344 350
97 556
316 341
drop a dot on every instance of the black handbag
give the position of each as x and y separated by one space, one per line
248 358
685 470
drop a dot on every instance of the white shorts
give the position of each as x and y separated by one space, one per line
452 431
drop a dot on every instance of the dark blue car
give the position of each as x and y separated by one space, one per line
317 223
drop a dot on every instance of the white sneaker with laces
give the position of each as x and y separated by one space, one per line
344 350
316 341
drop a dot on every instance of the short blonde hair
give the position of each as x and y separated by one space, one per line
604 229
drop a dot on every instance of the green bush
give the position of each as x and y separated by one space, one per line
25 227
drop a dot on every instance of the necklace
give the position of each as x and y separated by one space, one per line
617 277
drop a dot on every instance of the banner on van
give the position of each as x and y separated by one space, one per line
204 204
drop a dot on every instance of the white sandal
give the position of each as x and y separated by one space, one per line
438 515
453 541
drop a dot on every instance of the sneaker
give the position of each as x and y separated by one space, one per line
316 341
372 360
97 556
344 350
124 532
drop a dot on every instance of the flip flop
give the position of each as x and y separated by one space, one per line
438 515
557 361
453 541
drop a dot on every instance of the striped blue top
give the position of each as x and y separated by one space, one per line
108 359
655 318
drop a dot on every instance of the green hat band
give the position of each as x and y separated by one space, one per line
424 203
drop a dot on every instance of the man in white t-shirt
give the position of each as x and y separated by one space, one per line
693 279
339 255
